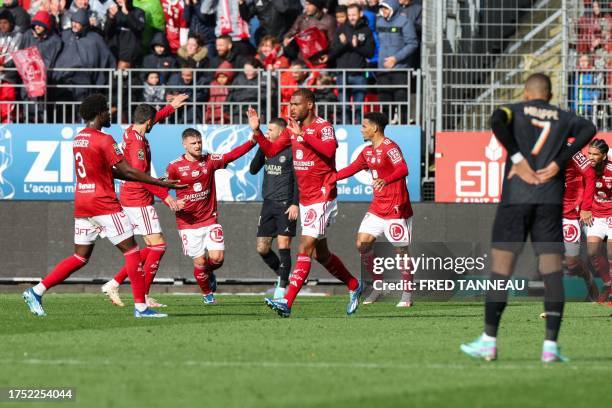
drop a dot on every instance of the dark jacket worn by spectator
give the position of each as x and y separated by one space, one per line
48 42
83 49
274 16
396 35
155 61
201 19
347 55
124 33
22 18
244 93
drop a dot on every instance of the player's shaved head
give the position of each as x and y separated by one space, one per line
306 94
538 86
92 106
191 132
143 113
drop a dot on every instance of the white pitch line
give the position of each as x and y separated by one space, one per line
312 365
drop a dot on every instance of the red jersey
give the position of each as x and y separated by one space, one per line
314 159
385 162
95 154
174 10
138 155
602 202
579 187
200 196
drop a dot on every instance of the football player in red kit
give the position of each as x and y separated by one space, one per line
390 213
314 146
197 222
602 216
97 212
577 204
137 199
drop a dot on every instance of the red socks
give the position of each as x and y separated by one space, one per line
367 263
135 273
335 266
201 275
599 262
122 274
151 263
63 270
298 277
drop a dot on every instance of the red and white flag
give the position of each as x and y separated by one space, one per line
31 68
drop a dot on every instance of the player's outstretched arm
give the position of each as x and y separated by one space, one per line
270 149
235 153
123 171
352 169
177 102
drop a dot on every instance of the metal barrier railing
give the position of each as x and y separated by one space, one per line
60 103
343 99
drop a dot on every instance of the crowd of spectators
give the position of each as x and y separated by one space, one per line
591 80
231 39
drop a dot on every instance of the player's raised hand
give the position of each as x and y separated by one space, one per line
549 172
378 184
253 117
179 101
172 203
523 170
294 127
292 212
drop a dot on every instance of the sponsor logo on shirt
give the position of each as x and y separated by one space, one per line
282 159
299 154
197 187
195 173
85 187
327 133
216 156
80 143
394 155
141 154
117 148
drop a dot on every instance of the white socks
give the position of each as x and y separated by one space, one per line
39 289
486 337
141 307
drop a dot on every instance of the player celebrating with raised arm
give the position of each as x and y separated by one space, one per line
197 222
390 212
313 144
137 199
535 134
279 211
602 216
97 211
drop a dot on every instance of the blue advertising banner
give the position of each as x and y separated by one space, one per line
36 160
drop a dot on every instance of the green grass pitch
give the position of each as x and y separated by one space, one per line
240 354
